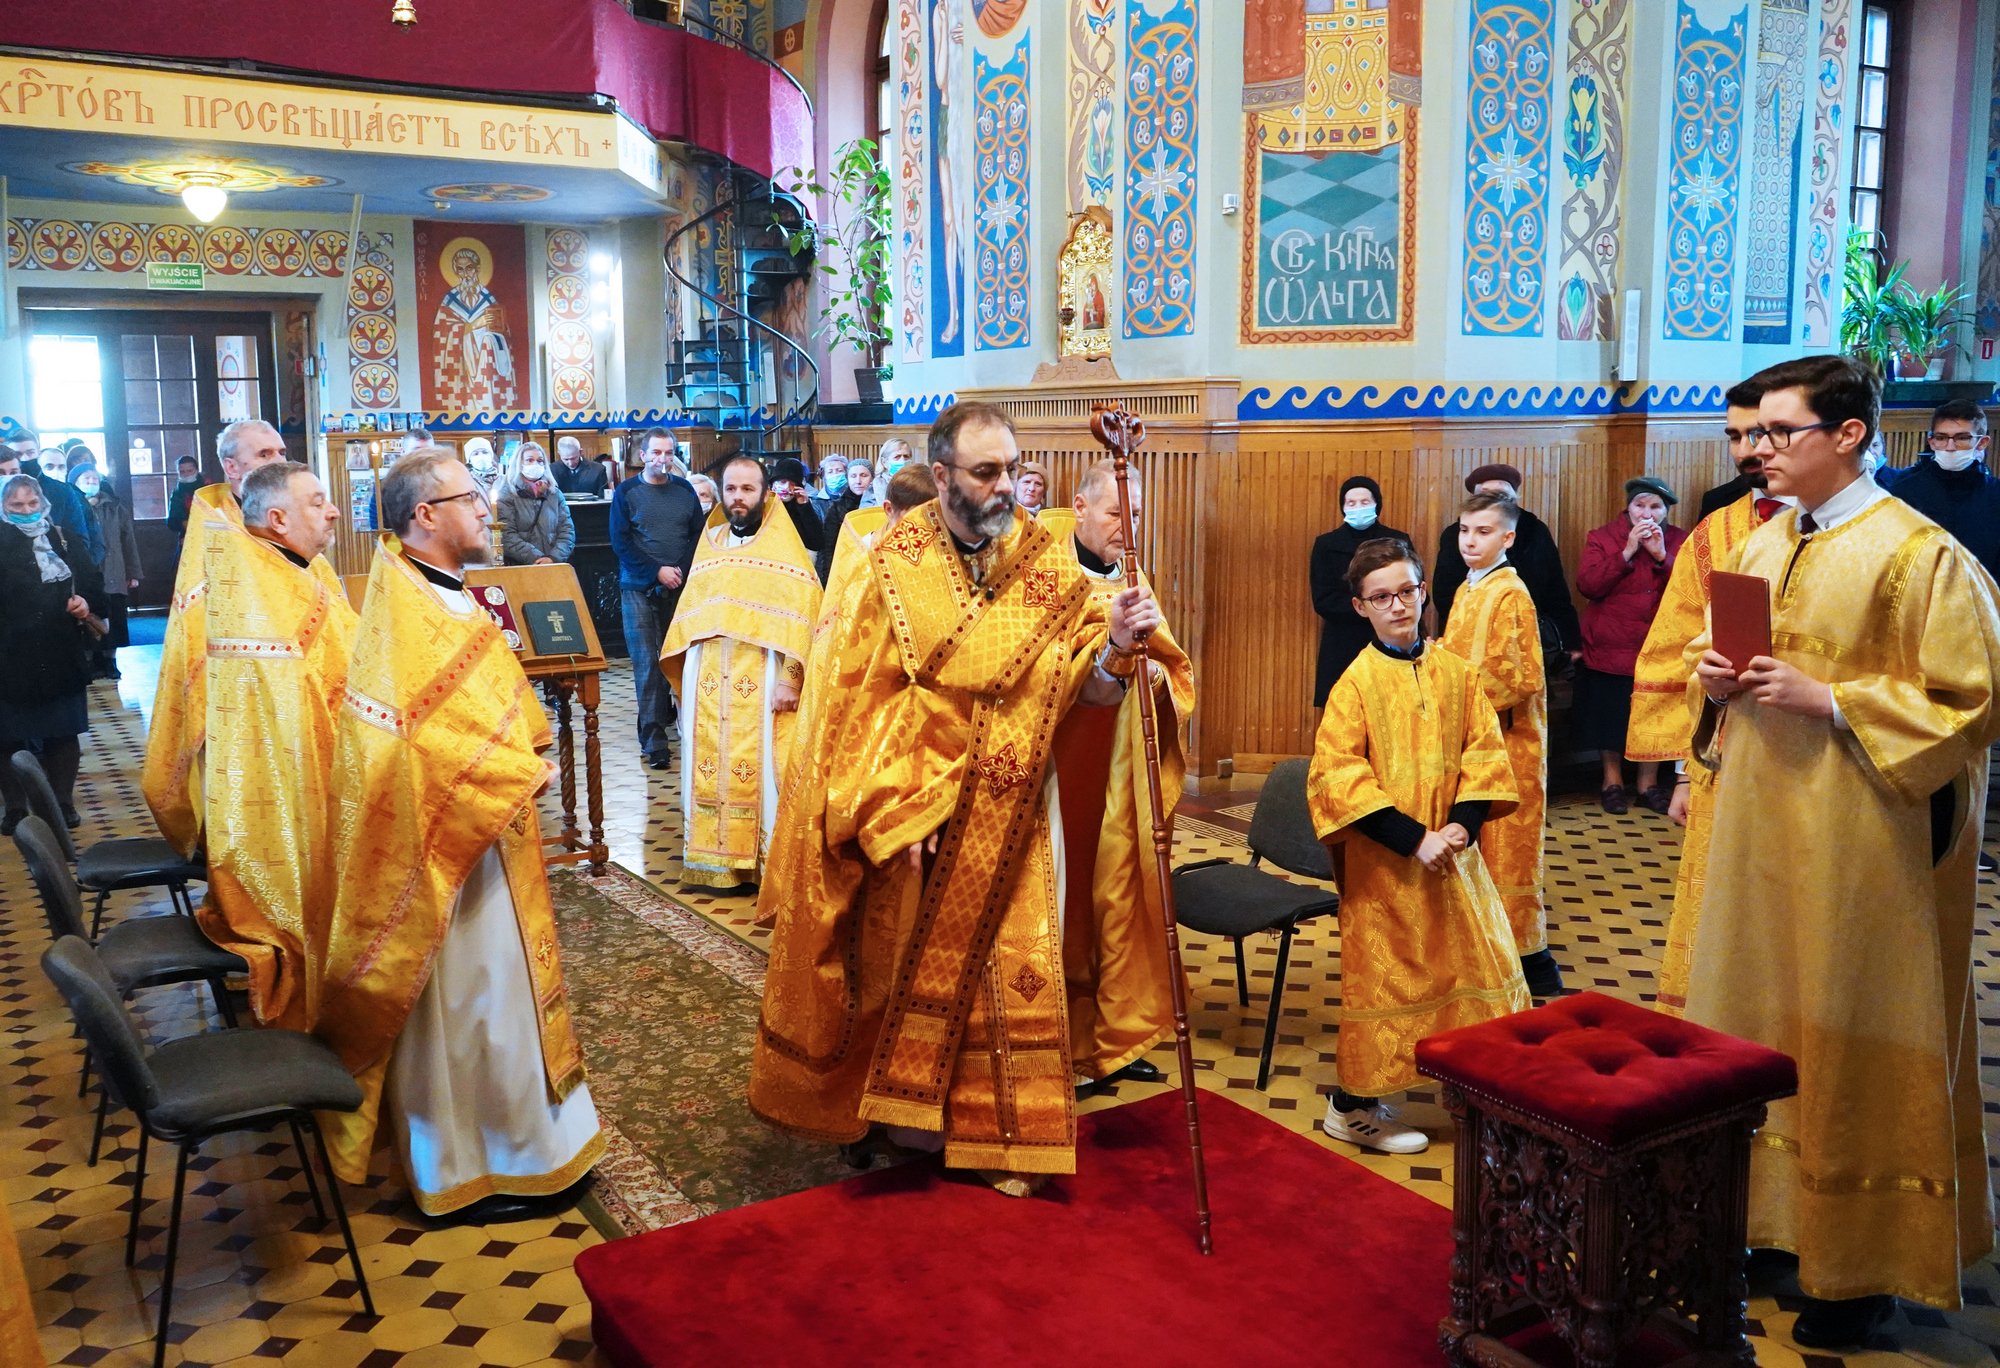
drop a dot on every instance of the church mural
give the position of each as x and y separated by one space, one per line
1000 200
1593 153
1777 131
572 349
948 115
1507 168
912 177
1091 69
373 374
1826 171
1330 163
747 22
1986 304
1162 75
996 18
1706 147
472 286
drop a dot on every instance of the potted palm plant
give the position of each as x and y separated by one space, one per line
1926 326
858 293
1868 304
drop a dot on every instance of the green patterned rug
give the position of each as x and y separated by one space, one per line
666 1009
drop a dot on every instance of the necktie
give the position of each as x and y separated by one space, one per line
1767 509
1806 524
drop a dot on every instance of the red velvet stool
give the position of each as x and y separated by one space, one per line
1602 1186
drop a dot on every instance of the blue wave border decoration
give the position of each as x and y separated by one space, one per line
1369 400
923 408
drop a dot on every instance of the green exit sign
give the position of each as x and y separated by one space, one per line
173 275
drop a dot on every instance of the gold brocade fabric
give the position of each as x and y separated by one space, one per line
1115 951
278 639
1501 638
936 1001
1690 887
1420 952
741 607
1827 931
436 759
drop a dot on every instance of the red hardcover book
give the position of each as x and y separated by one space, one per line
1739 614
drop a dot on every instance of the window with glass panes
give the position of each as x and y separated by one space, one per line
1871 120
881 99
66 393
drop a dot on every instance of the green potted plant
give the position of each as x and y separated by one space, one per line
858 292
1925 325
1868 305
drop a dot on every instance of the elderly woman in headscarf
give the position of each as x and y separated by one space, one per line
535 525
51 589
1344 633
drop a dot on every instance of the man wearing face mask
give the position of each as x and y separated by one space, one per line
841 499
1951 484
535 525
656 520
736 652
121 567
1344 633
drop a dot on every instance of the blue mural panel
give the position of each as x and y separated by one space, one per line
1707 149
1507 169
1000 200
1161 73
947 53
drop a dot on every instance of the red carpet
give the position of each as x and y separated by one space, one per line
1317 1261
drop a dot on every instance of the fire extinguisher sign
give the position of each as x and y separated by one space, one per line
1985 349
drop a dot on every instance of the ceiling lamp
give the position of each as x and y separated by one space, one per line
405 16
203 195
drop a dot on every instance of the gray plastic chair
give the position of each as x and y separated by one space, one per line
109 866
199 1086
1222 898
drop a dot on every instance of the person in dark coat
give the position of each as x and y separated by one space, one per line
50 586
1344 633
1623 573
1534 557
1741 416
1951 484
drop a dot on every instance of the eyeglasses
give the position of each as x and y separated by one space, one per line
478 494
1781 437
1942 440
1407 597
987 474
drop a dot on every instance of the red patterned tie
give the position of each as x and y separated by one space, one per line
1768 508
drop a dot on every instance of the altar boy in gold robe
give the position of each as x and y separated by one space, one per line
1494 628
1837 926
736 657
1407 768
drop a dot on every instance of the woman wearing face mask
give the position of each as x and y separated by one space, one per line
535 526
121 568
50 587
1344 633
704 489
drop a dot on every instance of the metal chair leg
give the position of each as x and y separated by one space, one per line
340 1211
305 1162
220 992
138 1194
1277 1002
178 894
83 1080
97 914
97 1135
173 1252
1242 979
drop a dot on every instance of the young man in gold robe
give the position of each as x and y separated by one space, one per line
1837 924
735 655
443 986
916 961
171 778
1493 628
279 634
1407 767
1659 727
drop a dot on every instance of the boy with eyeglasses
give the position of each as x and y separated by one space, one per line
1493 627
1408 766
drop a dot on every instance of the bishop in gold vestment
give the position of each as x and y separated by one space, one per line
444 989
735 655
1837 920
278 633
1493 627
1660 727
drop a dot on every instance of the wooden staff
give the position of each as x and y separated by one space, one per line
1122 433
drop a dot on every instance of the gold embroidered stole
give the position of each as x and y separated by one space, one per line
765 592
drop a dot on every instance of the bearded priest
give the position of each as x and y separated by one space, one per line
444 989
916 973
171 779
279 635
736 657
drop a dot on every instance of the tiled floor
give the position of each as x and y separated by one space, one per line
262 1281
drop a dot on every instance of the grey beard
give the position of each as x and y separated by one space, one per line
989 520
481 554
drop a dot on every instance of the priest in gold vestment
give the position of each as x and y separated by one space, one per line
171 779
279 631
443 986
1659 727
1837 922
916 963
735 655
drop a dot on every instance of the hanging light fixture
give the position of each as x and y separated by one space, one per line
202 193
405 15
